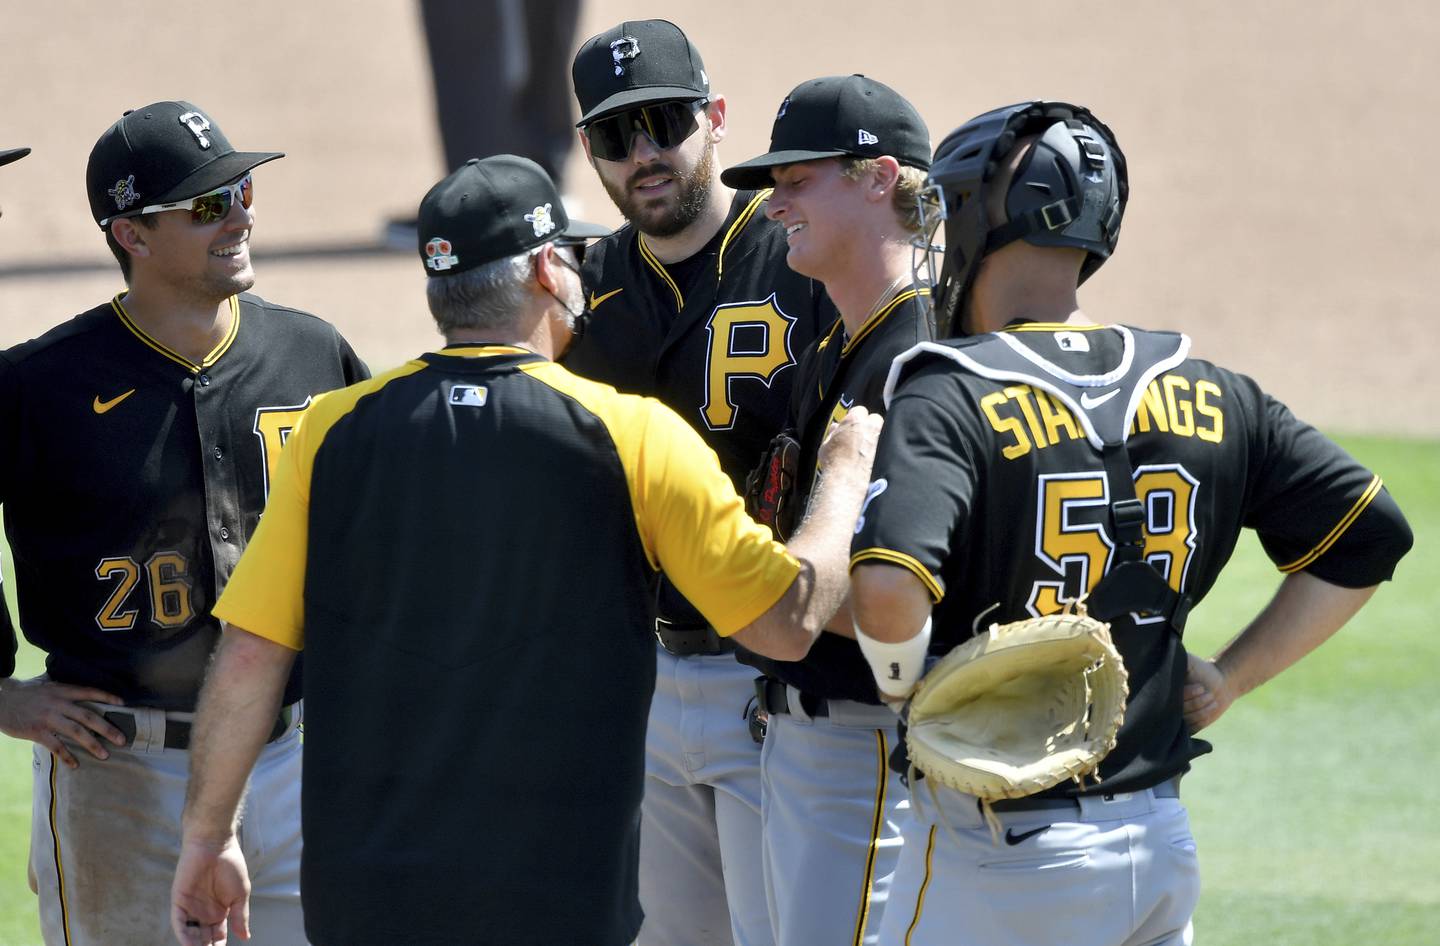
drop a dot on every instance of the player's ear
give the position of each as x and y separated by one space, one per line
883 176
130 236
585 143
547 269
715 112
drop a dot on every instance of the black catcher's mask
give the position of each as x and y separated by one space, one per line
1069 190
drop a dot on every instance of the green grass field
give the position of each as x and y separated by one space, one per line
1317 816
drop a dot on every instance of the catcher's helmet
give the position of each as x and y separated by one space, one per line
1069 190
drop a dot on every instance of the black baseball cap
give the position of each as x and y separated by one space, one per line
492 208
833 117
9 155
633 64
159 154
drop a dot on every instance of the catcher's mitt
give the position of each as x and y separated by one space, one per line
1020 708
770 487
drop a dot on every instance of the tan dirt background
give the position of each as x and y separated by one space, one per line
1282 154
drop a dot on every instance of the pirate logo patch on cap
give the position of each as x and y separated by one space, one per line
626 47
541 220
124 193
438 256
784 107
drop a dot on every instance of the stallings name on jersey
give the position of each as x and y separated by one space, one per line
1030 418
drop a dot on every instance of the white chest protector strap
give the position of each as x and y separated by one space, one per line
1105 405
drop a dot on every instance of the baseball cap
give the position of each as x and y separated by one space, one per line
492 208
9 155
836 116
162 153
635 63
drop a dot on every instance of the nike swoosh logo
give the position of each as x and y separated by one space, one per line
1012 839
596 300
103 406
1090 403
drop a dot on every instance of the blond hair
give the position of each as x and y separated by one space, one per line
909 190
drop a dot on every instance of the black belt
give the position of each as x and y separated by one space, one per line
1166 789
690 640
177 731
771 696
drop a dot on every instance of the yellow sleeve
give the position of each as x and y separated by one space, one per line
265 595
695 527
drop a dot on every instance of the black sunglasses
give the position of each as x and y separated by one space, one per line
667 124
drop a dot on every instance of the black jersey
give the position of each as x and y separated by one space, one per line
441 540
714 337
837 373
717 347
133 479
989 486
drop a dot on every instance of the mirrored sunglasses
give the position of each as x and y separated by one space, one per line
212 205
666 124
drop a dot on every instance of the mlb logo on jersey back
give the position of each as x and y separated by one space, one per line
468 395
1072 341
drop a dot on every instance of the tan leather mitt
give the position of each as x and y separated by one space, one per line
1020 708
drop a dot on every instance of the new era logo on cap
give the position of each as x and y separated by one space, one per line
866 138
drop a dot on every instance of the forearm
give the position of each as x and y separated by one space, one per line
842 623
1304 613
822 544
237 709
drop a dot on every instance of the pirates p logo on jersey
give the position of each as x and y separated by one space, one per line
748 340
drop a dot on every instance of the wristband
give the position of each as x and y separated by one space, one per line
897 667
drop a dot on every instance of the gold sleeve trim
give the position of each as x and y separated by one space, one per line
654 262
152 342
1344 524
891 557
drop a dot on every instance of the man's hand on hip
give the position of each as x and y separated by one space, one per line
45 712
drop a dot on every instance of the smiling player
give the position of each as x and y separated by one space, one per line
139 440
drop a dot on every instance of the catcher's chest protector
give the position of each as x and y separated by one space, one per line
1105 404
